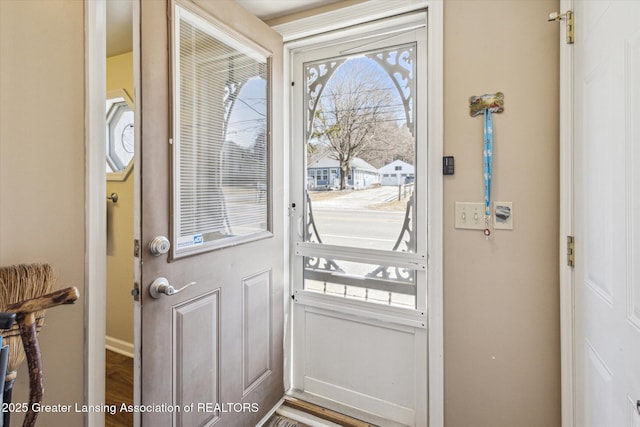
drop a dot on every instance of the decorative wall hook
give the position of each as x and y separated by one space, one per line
486 105
494 102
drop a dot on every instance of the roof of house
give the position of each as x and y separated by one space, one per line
326 161
391 167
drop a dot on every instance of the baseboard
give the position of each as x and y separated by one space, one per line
118 346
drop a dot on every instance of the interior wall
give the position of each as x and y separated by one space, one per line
120 230
120 73
42 175
501 297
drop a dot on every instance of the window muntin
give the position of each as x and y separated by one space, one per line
221 138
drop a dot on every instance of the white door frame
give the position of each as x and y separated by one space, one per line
566 223
95 214
357 14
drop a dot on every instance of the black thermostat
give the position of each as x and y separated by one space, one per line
448 165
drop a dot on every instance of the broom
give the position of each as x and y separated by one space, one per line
18 283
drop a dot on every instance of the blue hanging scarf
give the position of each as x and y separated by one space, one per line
488 167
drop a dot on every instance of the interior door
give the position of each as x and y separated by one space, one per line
607 207
211 157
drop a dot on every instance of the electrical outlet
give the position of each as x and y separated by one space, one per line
469 216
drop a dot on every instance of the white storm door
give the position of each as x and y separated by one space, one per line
607 209
359 240
211 157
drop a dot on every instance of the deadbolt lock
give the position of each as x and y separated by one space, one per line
159 246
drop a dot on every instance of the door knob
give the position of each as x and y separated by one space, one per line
161 286
159 246
113 197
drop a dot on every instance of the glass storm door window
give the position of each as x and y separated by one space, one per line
360 113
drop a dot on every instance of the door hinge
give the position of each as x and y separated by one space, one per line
571 251
568 17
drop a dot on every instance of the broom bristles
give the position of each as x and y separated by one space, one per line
18 283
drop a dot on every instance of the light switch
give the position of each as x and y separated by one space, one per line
503 215
469 215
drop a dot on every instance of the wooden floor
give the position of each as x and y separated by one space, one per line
119 388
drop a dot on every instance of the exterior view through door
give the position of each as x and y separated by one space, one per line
359 254
211 154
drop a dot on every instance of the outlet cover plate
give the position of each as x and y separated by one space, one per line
503 215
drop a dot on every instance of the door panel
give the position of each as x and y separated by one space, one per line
352 375
607 137
196 324
257 329
218 343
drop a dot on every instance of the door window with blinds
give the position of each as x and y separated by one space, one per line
221 192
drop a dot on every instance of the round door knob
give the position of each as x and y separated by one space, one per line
159 246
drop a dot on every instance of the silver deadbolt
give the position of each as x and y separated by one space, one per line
159 246
161 286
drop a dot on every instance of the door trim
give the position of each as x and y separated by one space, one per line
435 297
566 224
292 33
95 267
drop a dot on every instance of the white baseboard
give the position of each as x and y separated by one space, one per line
118 346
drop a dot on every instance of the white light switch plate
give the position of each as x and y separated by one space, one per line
469 215
503 215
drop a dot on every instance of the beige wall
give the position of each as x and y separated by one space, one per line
120 226
501 297
42 192
120 73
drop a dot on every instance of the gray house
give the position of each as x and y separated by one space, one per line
323 173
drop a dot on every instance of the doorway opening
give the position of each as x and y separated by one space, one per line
119 165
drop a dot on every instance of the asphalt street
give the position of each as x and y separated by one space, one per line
361 228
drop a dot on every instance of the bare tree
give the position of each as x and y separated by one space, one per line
355 113
393 143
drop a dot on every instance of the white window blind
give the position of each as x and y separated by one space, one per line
221 184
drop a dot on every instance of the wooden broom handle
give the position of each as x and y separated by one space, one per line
53 299
27 323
